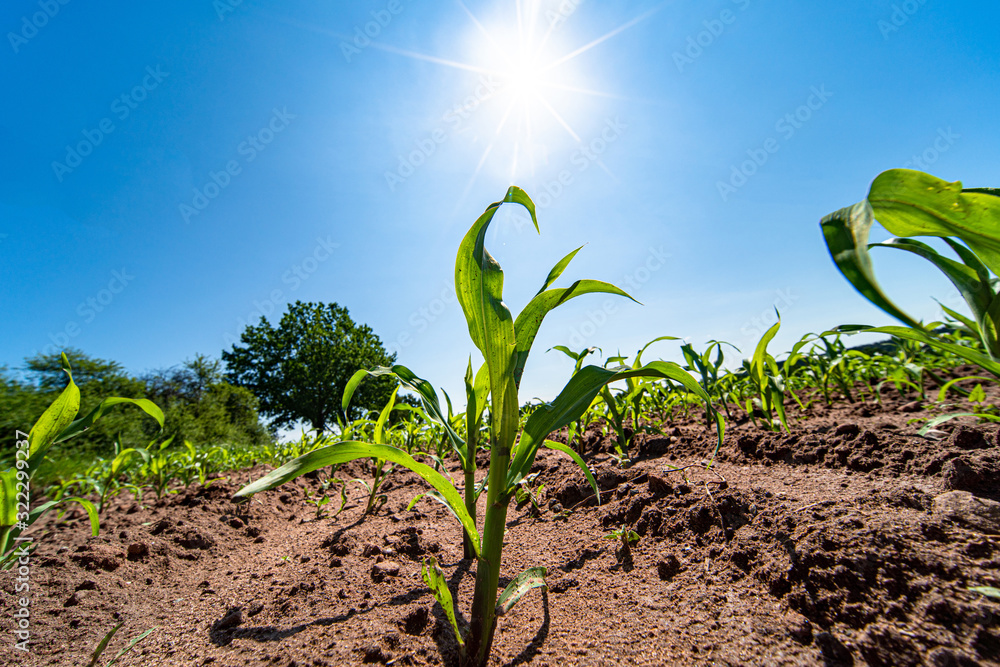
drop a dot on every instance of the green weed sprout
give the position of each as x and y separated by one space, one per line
626 536
505 343
911 203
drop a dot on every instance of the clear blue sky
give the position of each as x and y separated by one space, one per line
170 171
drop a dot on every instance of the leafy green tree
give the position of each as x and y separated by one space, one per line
299 369
201 406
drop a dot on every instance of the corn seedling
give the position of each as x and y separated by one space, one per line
505 343
763 372
57 424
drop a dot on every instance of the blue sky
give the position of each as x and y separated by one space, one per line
170 172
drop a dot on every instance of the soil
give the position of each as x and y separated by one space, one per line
851 540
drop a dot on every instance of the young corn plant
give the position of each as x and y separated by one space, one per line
911 203
375 500
505 342
765 376
57 424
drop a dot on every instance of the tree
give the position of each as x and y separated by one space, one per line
201 406
298 370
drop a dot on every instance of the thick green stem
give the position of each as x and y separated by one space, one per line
483 622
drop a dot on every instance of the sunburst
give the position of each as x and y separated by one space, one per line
534 89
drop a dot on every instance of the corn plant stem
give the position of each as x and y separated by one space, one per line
483 622
470 501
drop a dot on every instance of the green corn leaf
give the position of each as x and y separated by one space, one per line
971 284
971 279
566 449
384 416
941 419
422 387
131 645
104 644
965 321
919 336
434 577
988 591
342 452
558 269
56 420
846 232
577 396
530 319
80 425
638 357
760 354
8 499
533 577
912 203
88 507
942 394
479 288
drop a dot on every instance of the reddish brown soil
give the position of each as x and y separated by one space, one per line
821 547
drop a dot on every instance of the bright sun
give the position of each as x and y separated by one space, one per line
538 96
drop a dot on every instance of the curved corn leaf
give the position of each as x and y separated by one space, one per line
342 452
530 319
533 577
912 203
918 336
383 417
80 425
971 279
558 269
88 507
54 421
962 319
577 396
434 577
638 357
422 387
846 232
479 288
104 644
566 449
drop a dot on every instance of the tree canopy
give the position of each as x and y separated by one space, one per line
298 370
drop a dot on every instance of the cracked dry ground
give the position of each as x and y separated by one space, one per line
849 541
